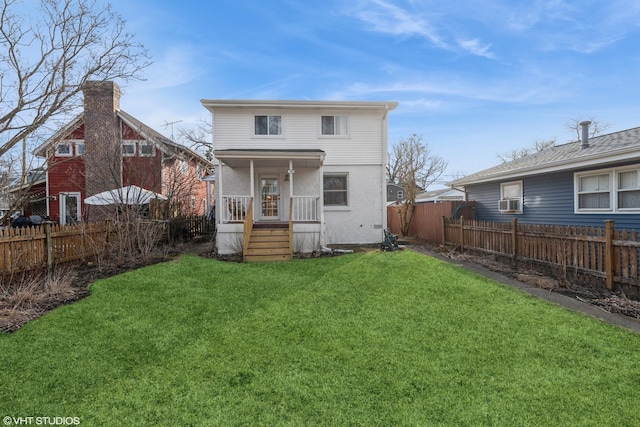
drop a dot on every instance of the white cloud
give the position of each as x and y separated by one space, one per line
475 47
388 18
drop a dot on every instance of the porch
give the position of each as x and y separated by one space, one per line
269 240
269 203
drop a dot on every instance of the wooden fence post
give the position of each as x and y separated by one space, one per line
461 234
514 238
608 252
48 245
444 230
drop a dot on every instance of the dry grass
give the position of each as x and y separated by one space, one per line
28 296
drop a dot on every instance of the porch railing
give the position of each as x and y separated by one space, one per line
301 208
305 208
235 208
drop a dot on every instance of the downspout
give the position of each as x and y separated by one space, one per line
385 159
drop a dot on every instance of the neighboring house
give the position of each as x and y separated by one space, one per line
395 192
104 149
579 183
316 165
441 195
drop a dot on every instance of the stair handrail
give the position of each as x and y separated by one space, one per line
291 226
247 227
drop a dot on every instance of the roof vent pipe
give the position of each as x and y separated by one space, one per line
584 142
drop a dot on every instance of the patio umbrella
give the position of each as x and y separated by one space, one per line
129 195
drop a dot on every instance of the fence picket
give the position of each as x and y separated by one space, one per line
578 249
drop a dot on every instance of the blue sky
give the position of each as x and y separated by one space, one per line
475 78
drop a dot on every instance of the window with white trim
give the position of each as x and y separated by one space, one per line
63 149
629 189
128 148
510 197
146 149
614 190
79 148
334 125
183 167
335 190
268 125
594 192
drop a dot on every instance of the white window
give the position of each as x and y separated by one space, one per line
183 167
63 149
335 190
629 189
594 192
128 148
510 197
400 195
268 125
146 149
334 125
614 190
79 148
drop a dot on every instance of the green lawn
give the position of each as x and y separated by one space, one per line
386 339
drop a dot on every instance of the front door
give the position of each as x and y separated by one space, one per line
69 208
269 198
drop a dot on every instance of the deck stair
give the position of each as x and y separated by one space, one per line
269 242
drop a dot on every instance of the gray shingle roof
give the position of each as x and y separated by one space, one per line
603 149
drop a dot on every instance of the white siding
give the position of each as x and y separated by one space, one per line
233 129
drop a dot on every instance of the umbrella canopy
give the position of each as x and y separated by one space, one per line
129 195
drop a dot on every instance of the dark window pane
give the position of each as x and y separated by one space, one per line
261 125
328 125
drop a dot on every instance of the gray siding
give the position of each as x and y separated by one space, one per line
548 199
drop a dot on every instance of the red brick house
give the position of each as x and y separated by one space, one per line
104 149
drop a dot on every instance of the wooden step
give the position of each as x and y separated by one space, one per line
268 244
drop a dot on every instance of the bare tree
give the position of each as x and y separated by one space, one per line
523 152
595 128
412 165
198 139
43 65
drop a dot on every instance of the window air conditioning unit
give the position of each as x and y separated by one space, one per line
509 205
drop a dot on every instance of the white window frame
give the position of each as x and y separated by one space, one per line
520 197
63 207
614 190
129 143
348 193
334 134
69 146
268 135
146 144
183 167
78 145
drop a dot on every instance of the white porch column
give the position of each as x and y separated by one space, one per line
290 172
252 184
321 206
220 192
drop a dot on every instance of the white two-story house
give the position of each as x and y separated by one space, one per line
296 176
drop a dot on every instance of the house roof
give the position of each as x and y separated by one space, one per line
602 150
161 142
443 194
211 104
270 157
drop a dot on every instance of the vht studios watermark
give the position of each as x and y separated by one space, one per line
41 421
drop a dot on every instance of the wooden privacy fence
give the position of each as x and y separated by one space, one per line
24 249
30 248
605 253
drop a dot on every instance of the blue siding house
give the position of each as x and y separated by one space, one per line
580 183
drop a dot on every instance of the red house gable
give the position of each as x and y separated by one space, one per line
104 149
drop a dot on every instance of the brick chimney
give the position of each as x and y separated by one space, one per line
103 161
